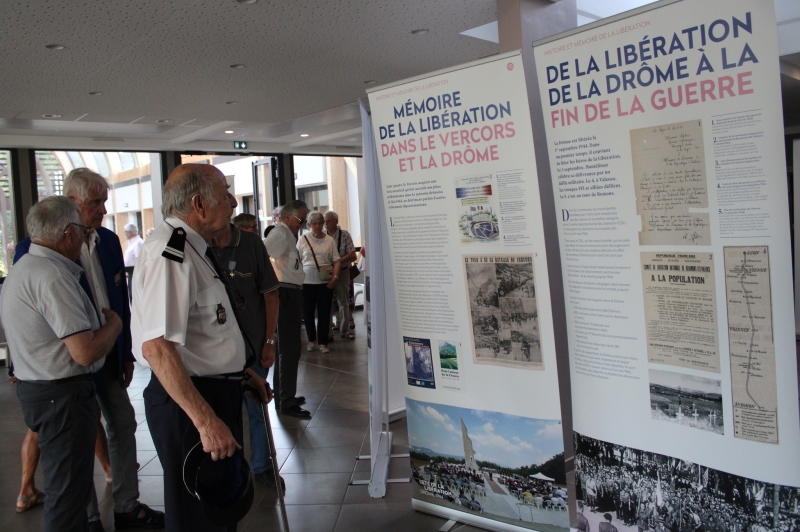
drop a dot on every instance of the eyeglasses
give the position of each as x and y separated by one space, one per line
86 230
301 220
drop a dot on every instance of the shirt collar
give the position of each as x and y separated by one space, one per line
335 233
192 236
285 228
55 256
94 238
236 237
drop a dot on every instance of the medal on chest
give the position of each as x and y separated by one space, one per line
222 315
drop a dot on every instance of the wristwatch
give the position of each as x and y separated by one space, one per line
270 341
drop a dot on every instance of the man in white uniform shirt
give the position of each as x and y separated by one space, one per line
184 328
282 248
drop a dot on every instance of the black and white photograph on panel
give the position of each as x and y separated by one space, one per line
501 293
634 491
419 362
686 400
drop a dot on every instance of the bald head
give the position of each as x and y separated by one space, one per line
188 181
198 195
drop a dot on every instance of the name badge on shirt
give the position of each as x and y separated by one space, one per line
222 315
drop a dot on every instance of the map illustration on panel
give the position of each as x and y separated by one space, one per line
752 347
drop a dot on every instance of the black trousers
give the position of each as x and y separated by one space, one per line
63 415
290 317
174 436
317 298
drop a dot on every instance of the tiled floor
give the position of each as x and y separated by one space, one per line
317 456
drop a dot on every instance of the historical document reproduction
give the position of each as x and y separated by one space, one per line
669 171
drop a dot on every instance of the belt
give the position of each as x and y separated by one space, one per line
290 285
239 375
74 378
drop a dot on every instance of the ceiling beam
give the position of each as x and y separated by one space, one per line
326 138
202 132
789 70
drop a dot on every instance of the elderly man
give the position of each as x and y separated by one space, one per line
54 332
347 254
276 219
246 222
104 281
184 327
282 247
243 258
134 244
131 252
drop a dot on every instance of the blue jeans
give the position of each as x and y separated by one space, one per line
260 458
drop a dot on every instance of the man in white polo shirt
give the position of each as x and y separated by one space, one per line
55 336
282 248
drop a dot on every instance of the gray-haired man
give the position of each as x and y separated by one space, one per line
347 252
185 328
55 335
134 244
282 248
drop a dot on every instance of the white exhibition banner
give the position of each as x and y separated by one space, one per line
666 148
462 207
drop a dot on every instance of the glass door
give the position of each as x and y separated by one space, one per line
263 196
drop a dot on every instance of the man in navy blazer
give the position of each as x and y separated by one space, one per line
104 281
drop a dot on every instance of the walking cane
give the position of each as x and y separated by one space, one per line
270 439
271 442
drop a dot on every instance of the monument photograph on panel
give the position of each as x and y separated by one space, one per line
506 467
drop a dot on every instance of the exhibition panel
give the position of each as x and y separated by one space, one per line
470 276
664 131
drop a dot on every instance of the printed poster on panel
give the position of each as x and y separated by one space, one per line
664 131
464 219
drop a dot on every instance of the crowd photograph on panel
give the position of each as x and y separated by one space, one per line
639 491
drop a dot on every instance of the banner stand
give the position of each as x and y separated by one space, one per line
380 415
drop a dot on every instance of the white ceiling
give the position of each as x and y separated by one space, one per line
306 62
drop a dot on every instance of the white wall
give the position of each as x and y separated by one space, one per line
147 195
242 171
127 198
354 223
309 170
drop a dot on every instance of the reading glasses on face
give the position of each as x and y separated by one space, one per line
301 220
86 230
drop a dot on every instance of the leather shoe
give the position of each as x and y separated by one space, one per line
268 479
296 411
299 400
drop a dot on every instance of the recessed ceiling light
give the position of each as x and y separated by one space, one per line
51 115
229 131
370 82
246 1
232 102
55 46
237 65
95 93
165 121
303 134
420 31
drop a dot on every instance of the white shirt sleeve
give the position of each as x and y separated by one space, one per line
167 290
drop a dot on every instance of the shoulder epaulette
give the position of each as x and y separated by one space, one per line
174 249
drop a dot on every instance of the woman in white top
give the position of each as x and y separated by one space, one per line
317 250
